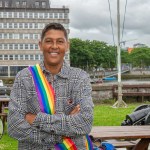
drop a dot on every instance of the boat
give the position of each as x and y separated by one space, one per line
109 78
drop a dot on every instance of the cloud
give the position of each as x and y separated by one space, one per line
90 19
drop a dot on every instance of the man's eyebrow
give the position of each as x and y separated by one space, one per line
55 39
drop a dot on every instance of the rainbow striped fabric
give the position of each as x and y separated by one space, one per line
46 97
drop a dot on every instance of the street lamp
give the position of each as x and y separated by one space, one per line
119 102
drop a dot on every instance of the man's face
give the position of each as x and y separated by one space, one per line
54 45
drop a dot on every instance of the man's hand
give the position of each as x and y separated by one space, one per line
75 110
30 118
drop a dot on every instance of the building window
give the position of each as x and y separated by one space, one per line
5 25
36 57
10 14
35 15
26 57
41 15
36 26
10 35
5 35
30 15
10 57
26 25
20 15
1 14
5 57
61 15
5 46
26 36
40 57
36 46
31 36
31 57
1 4
16 36
24 4
55 15
20 25
25 15
11 46
21 57
43 4
36 36
15 14
21 46
31 46
66 16
16 46
37 4
41 25
16 57
1 57
17 4
6 3
45 15
3 71
50 15
10 25
1 25
26 46
5 15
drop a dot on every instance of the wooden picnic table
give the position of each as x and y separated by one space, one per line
3 104
123 132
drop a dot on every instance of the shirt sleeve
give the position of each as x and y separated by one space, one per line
18 127
71 125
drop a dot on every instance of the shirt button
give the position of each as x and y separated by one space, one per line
52 131
38 127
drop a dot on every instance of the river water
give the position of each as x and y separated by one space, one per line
130 81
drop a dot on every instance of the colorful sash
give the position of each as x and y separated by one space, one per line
46 99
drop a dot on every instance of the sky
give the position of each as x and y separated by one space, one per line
90 20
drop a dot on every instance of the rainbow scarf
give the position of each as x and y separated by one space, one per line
46 97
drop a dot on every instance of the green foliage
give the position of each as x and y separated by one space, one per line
89 54
140 57
94 54
125 57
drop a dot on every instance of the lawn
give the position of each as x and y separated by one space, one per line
104 115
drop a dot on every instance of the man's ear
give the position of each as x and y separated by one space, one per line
40 45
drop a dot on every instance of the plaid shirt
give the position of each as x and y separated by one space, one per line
72 86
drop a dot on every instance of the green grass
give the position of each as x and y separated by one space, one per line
104 115
7 143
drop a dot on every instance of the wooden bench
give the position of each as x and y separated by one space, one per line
140 90
123 136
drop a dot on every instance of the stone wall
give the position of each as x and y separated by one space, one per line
101 92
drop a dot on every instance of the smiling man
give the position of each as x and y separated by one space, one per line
51 106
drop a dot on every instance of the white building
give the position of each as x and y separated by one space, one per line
21 22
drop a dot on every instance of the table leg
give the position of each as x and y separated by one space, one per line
0 107
142 144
